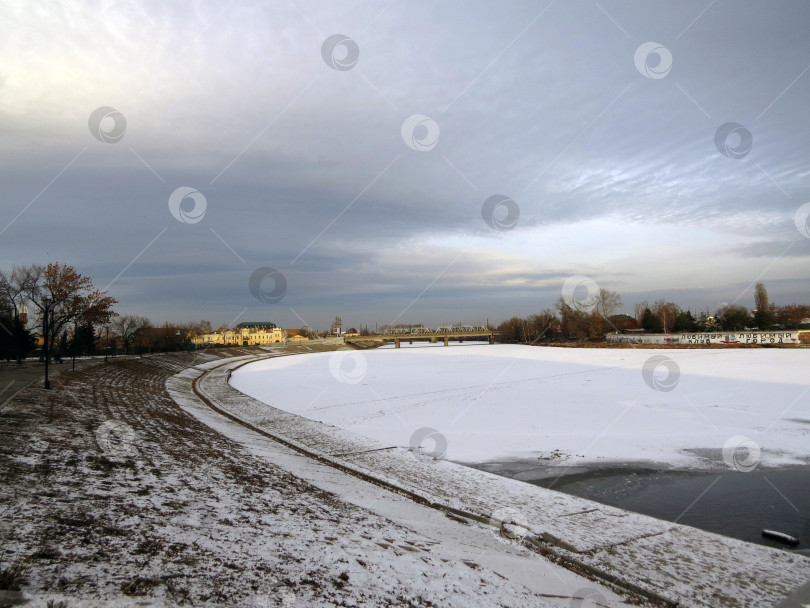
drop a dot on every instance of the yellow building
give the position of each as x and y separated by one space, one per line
296 335
245 334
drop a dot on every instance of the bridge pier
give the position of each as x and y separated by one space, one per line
491 339
433 340
396 342
446 341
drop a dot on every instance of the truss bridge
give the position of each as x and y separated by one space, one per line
420 332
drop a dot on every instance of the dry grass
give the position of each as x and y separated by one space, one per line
13 576
189 518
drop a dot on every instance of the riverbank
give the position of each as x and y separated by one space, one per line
153 481
112 495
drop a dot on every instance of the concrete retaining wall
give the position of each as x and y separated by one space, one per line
746 337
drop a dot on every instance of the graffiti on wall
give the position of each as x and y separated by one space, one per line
749 337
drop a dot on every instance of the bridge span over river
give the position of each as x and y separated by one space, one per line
427 334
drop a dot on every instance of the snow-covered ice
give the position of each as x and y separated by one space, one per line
567 406
680 564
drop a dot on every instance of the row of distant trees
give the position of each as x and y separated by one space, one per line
128 334
81 320
663 316
570 320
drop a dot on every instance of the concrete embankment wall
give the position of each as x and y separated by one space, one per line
794 337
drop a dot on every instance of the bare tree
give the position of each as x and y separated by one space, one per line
69 296
13 287
541 326
128 327
597 325
513 330
574 322
608 302
792 315
666 311
192 329
639 310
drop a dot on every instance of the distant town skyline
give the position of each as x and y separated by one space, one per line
407 162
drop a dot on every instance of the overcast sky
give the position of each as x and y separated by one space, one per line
356 169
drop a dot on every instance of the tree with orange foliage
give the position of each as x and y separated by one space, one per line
70 298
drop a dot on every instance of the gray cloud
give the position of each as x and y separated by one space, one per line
304 169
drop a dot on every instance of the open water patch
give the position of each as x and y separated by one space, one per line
735 504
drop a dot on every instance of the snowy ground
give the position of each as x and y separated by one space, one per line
112 496
433 535
115 492
683 408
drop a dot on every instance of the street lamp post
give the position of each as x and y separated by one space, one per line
107 344
45 304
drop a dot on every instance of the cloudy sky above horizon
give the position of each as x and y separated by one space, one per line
363 180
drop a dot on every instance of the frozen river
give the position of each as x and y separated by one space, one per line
692 409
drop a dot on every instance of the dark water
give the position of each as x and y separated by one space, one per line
734 504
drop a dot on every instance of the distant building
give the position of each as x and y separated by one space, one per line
257 333
623 323
296 335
